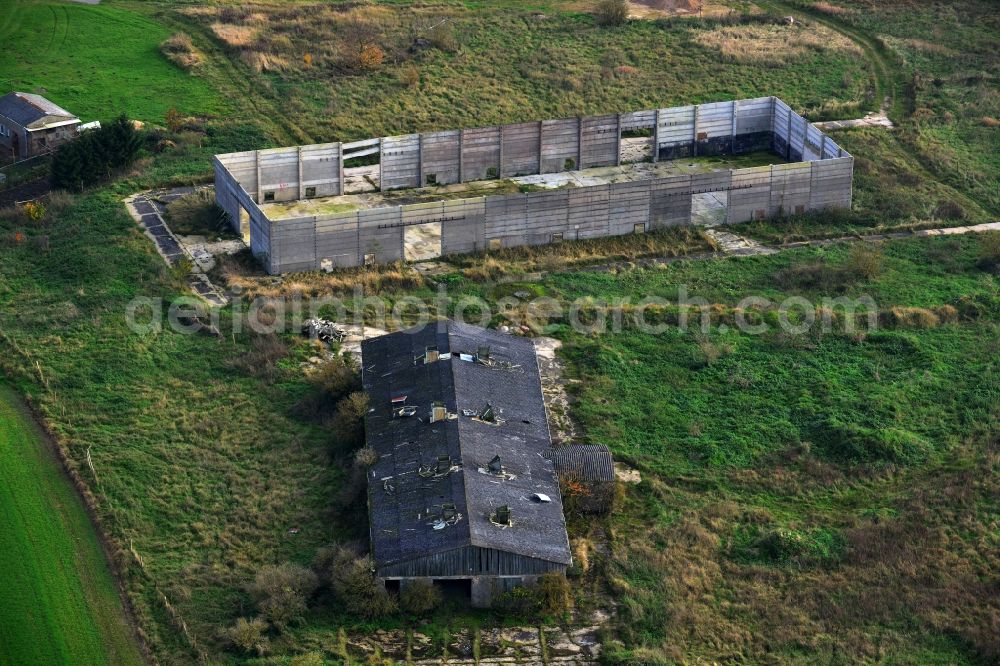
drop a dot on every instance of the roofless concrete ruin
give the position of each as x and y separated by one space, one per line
418 196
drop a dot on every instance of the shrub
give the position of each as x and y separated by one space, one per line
180 50
912 317
989 252
865 261
195 213
348 423
612 12
353 583
419 597
248 636
442 37
335 379
553 596
857 443
949 210
410 76
281 593
262 358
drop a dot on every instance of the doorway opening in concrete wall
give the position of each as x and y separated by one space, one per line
709 209
392 586
422 241
245 225
636 145
458 589
362 166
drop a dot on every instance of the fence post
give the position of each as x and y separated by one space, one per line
656 135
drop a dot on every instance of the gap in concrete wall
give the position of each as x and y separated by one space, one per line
709 209
244 223
636 146
422 241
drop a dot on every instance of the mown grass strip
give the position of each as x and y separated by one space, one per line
60 604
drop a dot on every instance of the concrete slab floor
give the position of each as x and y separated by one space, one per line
630 172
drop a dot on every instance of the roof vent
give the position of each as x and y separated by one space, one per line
438 412
495 466
541 497
483 353
449 516
431 354
502 517
488 414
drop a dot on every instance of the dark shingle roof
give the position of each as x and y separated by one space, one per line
32 111
402 516
592 462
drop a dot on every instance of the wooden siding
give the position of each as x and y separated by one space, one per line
470 561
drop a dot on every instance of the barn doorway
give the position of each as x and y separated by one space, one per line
709 209
455 589
422 242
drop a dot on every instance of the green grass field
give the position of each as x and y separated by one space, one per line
96 61
61 605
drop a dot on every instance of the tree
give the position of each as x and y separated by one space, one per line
419 597
281 593
95 155
353 583
248 635
612 12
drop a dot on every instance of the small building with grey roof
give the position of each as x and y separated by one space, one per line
32 125
464 491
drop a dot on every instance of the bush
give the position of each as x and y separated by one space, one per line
335 379
553 596
612 12
262 358
410 76
419 597
348 423
865 261
180 50
281 593
195 213
95 155
248 636
989 252
855 443
353 583
442 37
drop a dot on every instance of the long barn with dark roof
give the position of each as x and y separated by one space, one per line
464 491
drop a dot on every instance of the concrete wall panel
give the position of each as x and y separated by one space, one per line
440 155
481 154
521 148
628 206
790 188
830 185
670 202
750 196
560 145
462 230
337 240
400 161
676 132
588 211
321 169
380 232
600 141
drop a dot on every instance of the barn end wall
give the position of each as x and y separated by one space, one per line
819 176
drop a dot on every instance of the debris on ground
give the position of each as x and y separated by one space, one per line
323 329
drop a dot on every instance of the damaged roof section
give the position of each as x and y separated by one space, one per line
458 422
